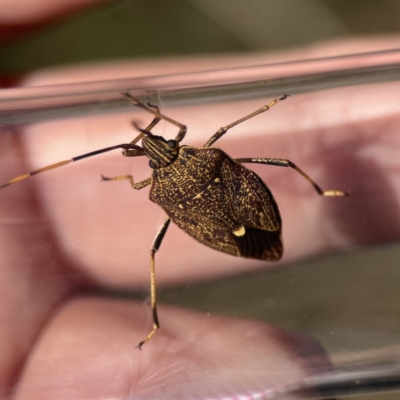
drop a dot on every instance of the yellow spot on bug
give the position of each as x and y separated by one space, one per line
180 206
217 180
240 232
198 195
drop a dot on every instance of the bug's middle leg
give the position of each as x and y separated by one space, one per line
221 131
154 248
137 186
281 162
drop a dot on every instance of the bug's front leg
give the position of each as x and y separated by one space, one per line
137 186
281 162
154 248
152 109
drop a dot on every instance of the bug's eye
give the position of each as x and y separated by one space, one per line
172 144
152 164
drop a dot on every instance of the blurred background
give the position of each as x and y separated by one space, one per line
314 296
133 29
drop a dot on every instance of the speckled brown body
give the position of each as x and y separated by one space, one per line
212 198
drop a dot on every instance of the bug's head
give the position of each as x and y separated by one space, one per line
161 152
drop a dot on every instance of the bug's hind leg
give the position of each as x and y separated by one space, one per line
281 162
154 248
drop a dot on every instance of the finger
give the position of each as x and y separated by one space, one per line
108 224
34 275
89 350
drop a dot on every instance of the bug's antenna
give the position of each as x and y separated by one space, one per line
126 146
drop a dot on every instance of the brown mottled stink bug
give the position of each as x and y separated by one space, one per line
209 195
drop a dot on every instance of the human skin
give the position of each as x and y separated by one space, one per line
63 341
58 340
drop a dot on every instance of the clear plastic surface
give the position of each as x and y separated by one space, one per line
337 283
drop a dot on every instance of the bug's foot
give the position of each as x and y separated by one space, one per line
335 193
139 346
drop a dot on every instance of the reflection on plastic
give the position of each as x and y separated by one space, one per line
360 373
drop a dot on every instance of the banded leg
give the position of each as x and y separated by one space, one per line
137 186
125 146
221 131
280 162
156 120
136 152
154 248
149 108
128 150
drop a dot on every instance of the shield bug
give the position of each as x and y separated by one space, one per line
208 194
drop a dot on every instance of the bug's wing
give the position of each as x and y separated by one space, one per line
254 206
259 244
256 243
205 229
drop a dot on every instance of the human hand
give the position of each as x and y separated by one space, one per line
57 246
